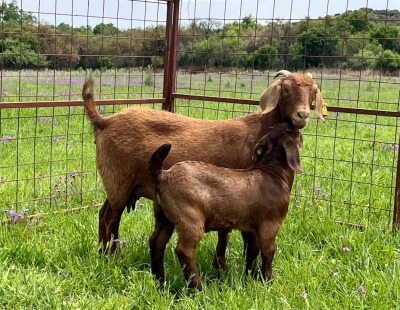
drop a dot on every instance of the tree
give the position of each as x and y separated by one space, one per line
359 20
265 56
16 55
105 29
313 44
386 36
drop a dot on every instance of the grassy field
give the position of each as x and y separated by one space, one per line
47 163
54 264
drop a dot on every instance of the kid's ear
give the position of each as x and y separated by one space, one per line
293 155
258 153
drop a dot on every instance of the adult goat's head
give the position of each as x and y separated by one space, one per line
293 95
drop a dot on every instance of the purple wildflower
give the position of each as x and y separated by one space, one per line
111 255
346 249
6 211
141 205
124 241
73 175
344 200
77 171
308 203
116 241
26 211
341 237
303 294
95 202
361 289
85 173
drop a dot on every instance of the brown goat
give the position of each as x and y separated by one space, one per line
195 197
126 140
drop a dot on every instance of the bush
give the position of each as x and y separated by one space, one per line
104 63
157 61
149 79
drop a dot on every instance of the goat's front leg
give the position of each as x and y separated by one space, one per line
252 249
112 218
267 237
220 252
188 238
158 241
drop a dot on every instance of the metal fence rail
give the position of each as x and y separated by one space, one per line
206 60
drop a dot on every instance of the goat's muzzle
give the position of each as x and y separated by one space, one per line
300 118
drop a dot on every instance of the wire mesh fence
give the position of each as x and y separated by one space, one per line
206 59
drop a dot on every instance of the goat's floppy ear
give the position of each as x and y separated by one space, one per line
270 97
263 148
293 154
318 105
258 153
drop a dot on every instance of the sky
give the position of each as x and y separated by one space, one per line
127 14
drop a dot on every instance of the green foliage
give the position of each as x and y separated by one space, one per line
105 29
265 56
207 43
149 78
386 35
16 54
104 63
313 44
388 61
157 61
359 20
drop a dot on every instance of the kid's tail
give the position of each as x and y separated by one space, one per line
157 160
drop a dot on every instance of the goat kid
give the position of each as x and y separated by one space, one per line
196 197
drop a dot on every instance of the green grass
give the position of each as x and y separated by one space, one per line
61 268
350 166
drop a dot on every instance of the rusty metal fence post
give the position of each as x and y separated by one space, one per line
171 38
396 209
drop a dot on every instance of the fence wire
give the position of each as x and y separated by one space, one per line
225 49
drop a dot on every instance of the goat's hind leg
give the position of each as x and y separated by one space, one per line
158 241
252 249
188 239
112 219
102 227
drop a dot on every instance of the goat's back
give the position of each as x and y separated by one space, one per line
223 198
125 145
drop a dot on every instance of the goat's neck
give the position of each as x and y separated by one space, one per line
263 122
278 170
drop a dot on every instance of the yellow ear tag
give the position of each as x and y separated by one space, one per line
324 109
259 151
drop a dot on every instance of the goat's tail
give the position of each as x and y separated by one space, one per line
157 160
96 119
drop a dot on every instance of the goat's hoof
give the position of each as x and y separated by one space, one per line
218 264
